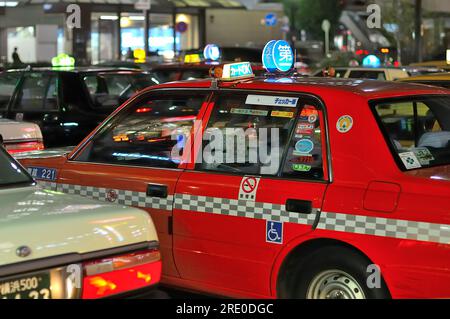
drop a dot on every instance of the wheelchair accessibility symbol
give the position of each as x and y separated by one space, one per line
274 232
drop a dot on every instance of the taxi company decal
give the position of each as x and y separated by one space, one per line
301 168
312 118
410 160
271 100
305 128
306 159
304 147
344 124
282 114
249 188
111 196
357 224
249 112
424 155
47 174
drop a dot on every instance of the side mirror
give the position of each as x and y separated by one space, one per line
1 139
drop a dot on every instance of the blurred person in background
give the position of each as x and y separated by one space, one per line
17 62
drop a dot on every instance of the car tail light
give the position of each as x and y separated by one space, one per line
120 274
14 148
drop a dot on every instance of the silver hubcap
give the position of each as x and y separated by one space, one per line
334 284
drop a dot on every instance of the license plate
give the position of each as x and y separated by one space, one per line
26 287
42 173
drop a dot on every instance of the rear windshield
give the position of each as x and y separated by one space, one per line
112 89
11 173
417 129
366 74
340 73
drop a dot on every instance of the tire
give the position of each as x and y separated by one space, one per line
335 272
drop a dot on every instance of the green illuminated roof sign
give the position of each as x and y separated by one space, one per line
63 60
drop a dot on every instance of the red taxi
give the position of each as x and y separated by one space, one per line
347 197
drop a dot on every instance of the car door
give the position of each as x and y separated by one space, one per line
37 101
233 214
129 161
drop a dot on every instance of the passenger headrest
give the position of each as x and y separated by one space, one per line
435 139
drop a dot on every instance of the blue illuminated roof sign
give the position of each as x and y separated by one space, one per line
278 56
211 52
372 61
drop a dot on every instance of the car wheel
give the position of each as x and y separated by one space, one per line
336 273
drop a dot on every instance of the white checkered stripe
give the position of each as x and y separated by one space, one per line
240 208
124 197
357 224
385 227
48 185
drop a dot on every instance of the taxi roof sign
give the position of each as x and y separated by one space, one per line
233 71
278 56
63 60
192 58
211 52
139 55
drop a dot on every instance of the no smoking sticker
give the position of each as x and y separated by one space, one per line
248 188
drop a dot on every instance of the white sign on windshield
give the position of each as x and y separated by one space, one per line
282 101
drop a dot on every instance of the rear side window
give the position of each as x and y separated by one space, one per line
263 135
146 133
112 89
418 130
372 75
39 92
195 74
8 83
167 75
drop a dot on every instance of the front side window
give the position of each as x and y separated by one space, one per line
149 133
11 173
418 130
262 135
38 93
8 83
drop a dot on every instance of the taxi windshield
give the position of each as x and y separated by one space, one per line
418 130
11 174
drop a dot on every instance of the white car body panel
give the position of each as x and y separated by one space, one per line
53 224
19 131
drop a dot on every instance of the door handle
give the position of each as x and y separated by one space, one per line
299 206
157 190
